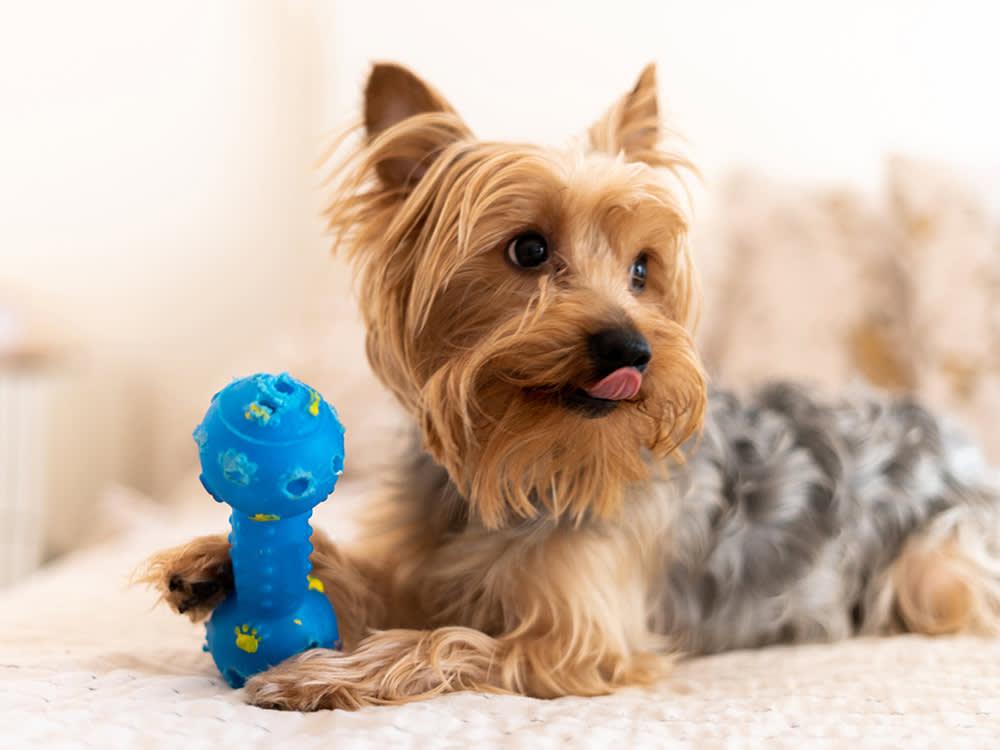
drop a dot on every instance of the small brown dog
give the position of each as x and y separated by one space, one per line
530 308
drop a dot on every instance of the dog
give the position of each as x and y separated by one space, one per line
581 503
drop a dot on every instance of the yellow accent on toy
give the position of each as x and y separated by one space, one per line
265 517
316 585
258 412
247 639
314 404
297 621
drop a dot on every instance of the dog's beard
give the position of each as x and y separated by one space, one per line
510 421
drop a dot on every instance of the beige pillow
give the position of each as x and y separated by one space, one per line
834 286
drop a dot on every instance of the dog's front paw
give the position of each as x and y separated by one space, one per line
197 599
194 578
314 680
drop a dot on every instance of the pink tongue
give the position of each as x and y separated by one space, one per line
623 383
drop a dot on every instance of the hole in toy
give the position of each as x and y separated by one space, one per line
313 644
281 385
337 465
269 404
234 678
297 487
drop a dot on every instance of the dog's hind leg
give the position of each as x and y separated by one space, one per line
947 578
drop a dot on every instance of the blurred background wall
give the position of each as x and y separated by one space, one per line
805 90
158 214
158 203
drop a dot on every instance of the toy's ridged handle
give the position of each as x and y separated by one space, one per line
270 562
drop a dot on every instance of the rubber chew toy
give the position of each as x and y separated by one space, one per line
272 449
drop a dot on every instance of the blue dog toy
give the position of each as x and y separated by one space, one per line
272 449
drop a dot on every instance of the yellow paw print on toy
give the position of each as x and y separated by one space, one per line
314 404
316 585
247 639
265 517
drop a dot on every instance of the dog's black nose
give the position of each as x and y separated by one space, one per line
618 347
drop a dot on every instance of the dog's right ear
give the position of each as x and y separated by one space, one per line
632 126
393 97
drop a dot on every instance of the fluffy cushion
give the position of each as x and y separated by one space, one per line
832 286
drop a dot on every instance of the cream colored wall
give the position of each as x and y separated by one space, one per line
803 90
157 207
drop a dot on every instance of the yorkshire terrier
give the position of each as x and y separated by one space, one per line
581 503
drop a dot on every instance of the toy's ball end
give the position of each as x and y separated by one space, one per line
242 644
270 445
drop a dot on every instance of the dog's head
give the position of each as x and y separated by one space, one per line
529 306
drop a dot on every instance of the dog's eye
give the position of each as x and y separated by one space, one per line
528 250
637 273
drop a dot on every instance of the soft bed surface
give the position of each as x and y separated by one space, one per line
85 660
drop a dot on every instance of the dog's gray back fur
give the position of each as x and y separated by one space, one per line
791 510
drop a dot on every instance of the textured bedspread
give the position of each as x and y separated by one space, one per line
87 661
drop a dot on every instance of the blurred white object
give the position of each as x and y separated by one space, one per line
28 383
10 329
24 402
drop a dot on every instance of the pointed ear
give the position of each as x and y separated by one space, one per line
632 124
393 95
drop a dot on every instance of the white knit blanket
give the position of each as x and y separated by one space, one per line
86 661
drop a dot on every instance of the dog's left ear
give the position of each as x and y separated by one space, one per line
632 125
